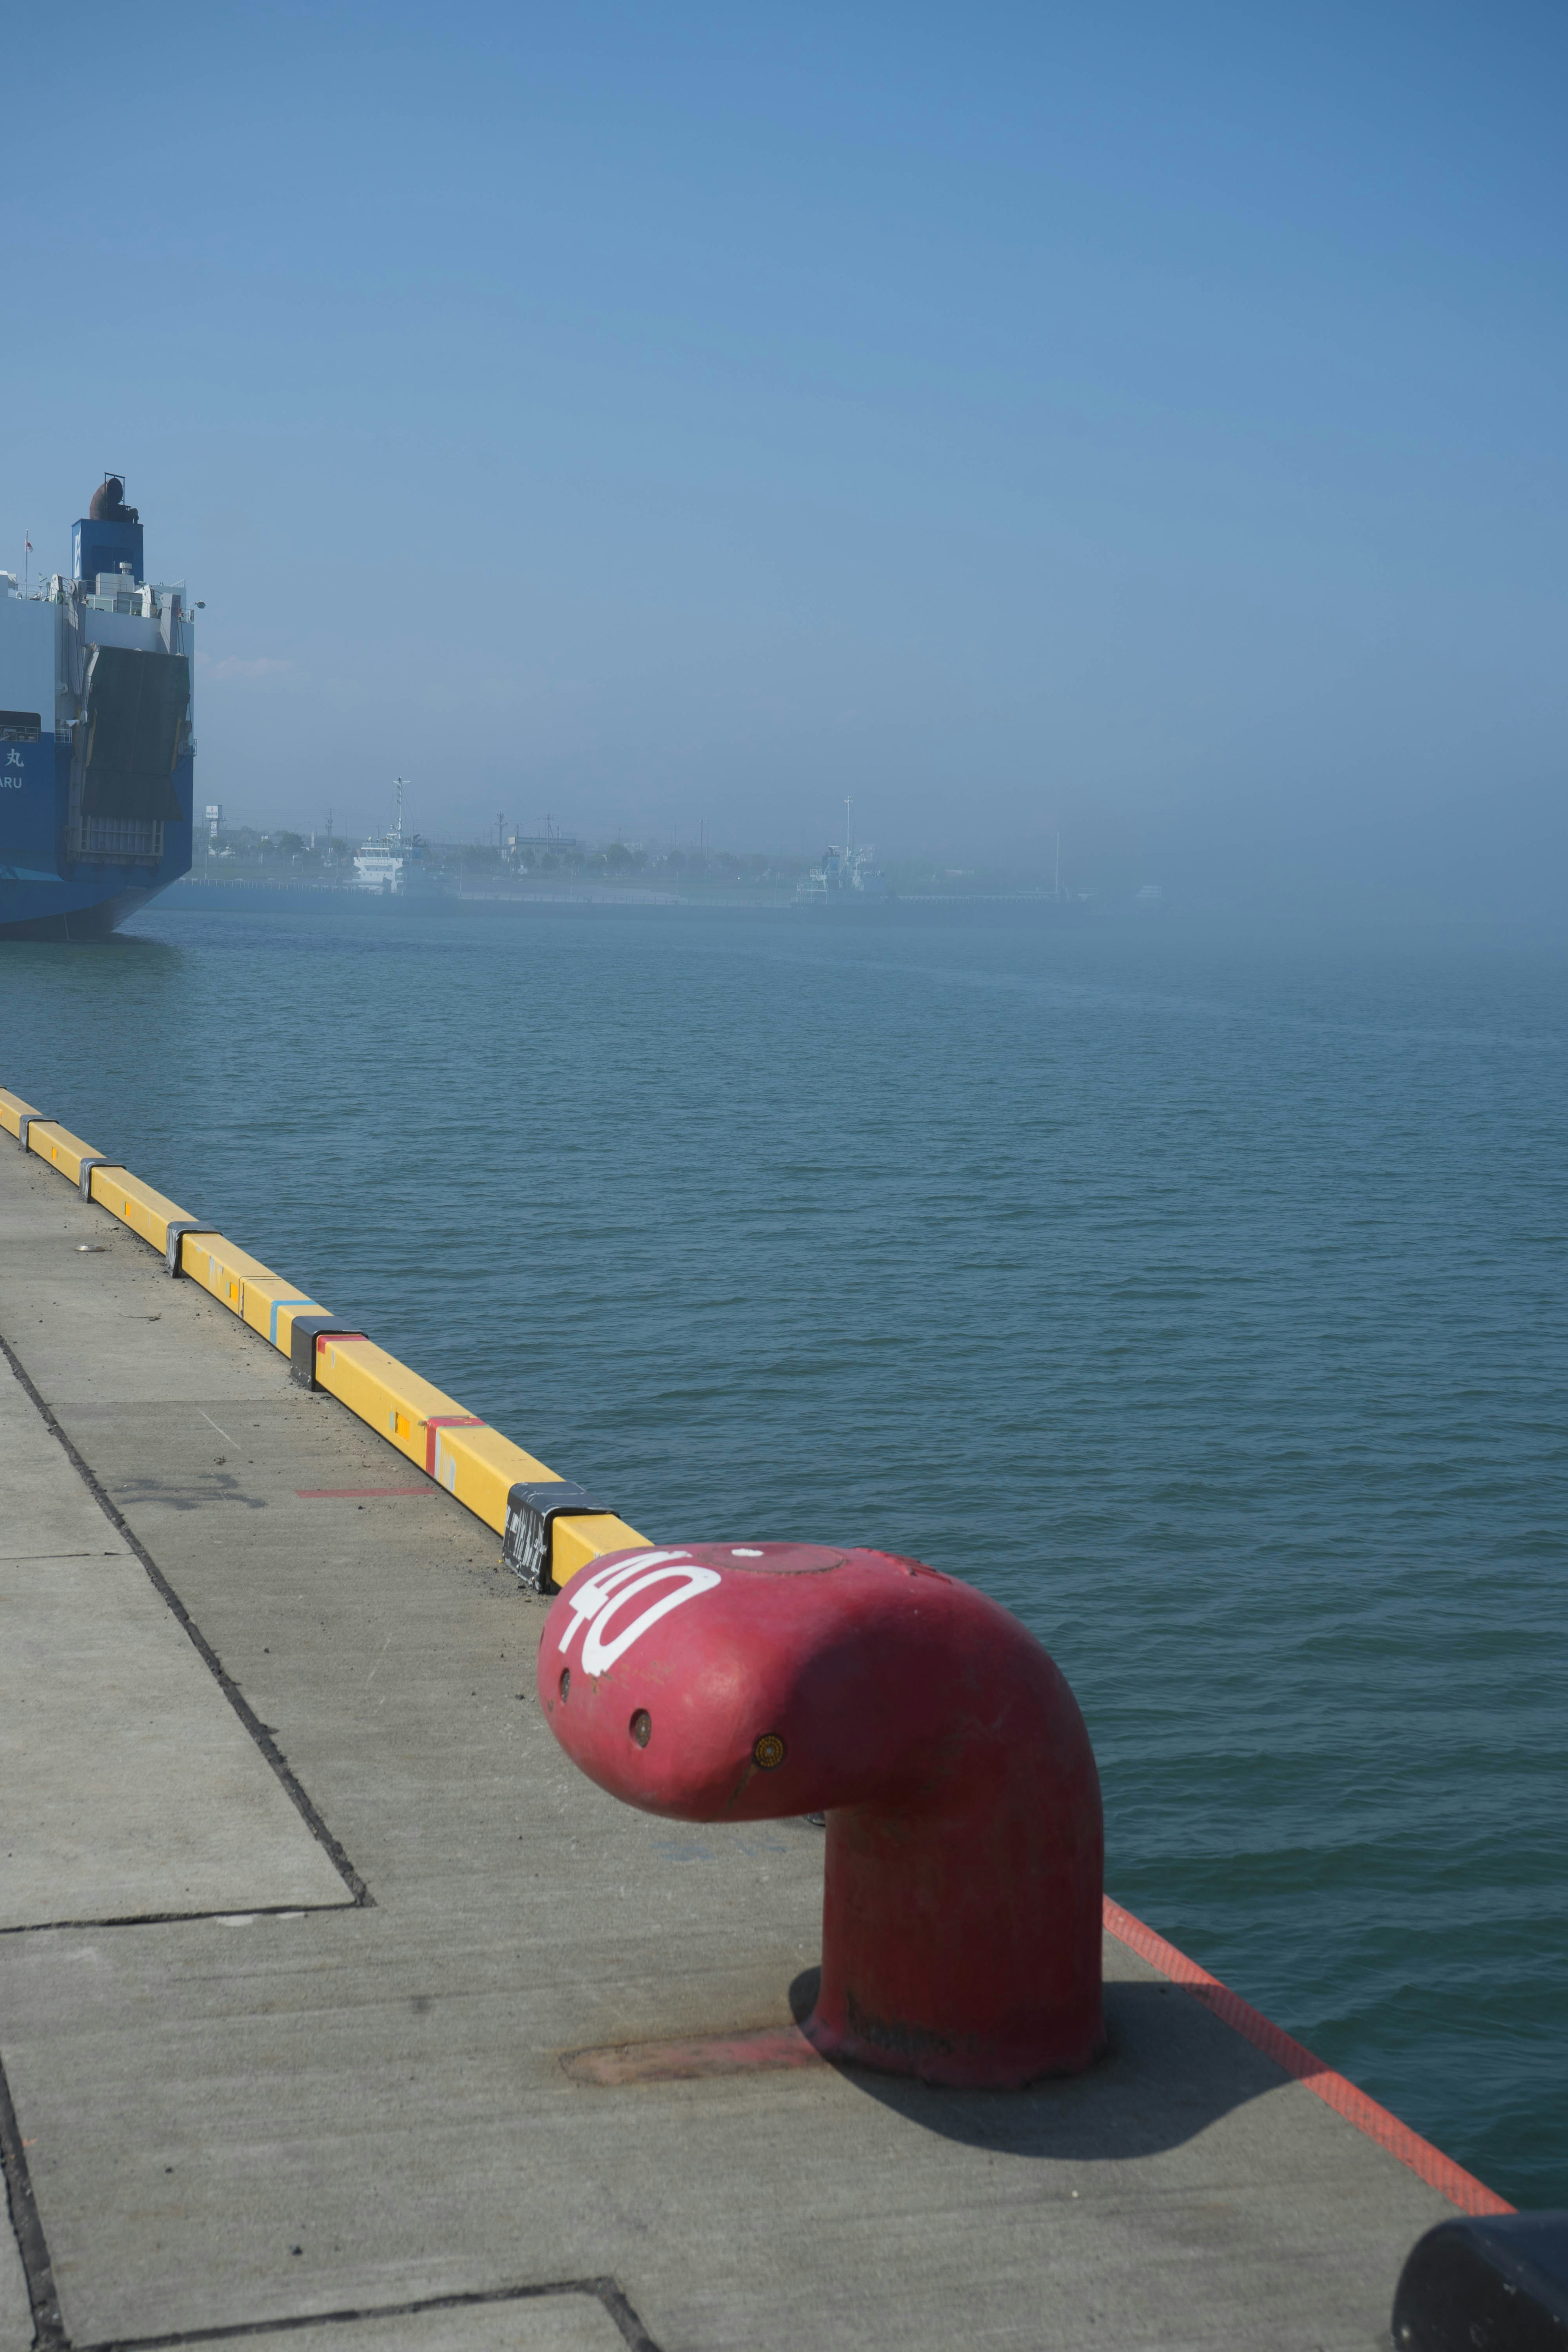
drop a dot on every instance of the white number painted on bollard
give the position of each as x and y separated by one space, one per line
595 1598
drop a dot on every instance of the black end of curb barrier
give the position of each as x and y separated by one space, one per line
303 1333
531 1511
176 1234
90 1160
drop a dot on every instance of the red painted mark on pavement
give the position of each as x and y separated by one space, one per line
685 2062
1429 2163
347 1494
445 1421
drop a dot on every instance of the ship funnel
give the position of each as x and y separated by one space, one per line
109 502
109 535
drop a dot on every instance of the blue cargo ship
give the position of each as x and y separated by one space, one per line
97 755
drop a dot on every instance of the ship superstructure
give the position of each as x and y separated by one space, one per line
845 867
393 866
96 752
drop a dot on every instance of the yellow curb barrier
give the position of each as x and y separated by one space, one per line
214 1262
475 1464
577 1543
386 1394
270 1305
147 1213
61 1148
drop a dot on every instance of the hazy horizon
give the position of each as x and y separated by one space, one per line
1147 426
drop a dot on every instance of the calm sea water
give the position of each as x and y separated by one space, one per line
1202 1296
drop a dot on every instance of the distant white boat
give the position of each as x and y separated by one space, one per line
845 869
394 866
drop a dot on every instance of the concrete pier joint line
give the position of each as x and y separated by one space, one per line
605 2292
48 2330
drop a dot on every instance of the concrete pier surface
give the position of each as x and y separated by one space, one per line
303 1917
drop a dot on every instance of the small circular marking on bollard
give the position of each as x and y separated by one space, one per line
565 1684
769 1752
641 1727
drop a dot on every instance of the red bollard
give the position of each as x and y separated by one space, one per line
962 1899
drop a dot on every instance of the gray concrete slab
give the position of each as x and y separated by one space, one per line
381 2087
130 1785
46 1510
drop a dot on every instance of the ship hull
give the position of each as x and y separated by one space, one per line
93 917
83 898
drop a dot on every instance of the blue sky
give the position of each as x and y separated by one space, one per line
688 414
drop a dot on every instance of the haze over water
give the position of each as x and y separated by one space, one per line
1199 1293
1142 422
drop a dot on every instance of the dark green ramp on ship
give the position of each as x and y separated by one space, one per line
136 704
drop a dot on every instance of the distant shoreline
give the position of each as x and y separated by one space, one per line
257 897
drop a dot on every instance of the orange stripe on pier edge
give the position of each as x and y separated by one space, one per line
1429 2163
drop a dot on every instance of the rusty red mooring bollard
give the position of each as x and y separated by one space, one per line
962 1901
